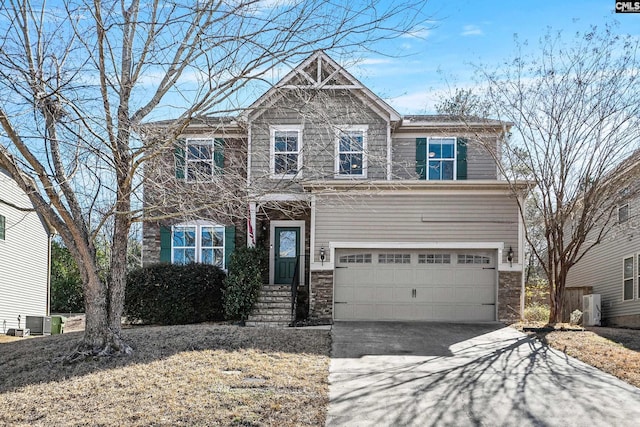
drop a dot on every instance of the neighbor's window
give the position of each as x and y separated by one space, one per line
623 214
3 223
351 147
198 243
204 159
441 158
286 156
627 279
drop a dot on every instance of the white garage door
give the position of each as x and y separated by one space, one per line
445 285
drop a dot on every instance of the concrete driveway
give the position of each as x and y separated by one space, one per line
424 374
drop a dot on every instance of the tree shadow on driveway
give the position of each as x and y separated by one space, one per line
475 375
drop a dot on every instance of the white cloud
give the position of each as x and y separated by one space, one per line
418 33
471 30
374 61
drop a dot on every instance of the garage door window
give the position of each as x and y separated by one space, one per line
473 259
394 258
356 259
434 259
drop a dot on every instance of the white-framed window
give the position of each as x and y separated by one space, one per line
351 149
623 213
627 278
286 151
434 259
197 242
204 159
441 158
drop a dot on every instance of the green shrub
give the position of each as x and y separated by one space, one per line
66 283
242 286
537 312
170 294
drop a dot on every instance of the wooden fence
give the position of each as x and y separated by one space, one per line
573 300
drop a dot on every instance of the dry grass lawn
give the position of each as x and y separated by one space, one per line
203 375
612 350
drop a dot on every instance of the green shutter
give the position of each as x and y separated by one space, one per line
461 159
421 158
179 158
2 227
218 154
165 244
229 243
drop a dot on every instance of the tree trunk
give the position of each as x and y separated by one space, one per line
99 339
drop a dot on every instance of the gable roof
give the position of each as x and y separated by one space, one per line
320 72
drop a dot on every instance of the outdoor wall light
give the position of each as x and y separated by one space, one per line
322 256
510 256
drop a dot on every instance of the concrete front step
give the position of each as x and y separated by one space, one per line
263 324
273 304
268 317
274 298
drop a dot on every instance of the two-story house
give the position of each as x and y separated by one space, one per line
24 257
383 217
612 267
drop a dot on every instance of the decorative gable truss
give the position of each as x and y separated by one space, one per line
320 72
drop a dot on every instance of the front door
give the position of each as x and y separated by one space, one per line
286 250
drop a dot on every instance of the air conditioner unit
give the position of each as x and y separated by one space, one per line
39 325
591 310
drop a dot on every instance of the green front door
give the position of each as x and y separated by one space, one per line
287 248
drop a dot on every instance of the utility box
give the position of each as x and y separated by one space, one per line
591 310
57 325
39 325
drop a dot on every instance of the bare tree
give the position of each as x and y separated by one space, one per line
79 77
575 109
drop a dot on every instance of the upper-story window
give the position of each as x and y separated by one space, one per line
623 213
286 151
439 159
351 146
199 159
3 223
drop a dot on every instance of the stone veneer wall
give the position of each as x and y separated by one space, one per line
321 298
509 296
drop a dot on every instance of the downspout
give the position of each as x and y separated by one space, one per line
389 159
49 240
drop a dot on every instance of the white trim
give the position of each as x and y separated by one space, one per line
336 164
249 158
282 197
389 152
272 132
198 224
286 223
329 265
442 159
215 170
252 221
312 243
633 277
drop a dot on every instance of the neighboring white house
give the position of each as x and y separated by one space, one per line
24 257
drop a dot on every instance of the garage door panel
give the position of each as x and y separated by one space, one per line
442 277
442 294
403 294
344 293
416 285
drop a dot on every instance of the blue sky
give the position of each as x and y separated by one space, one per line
466 33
